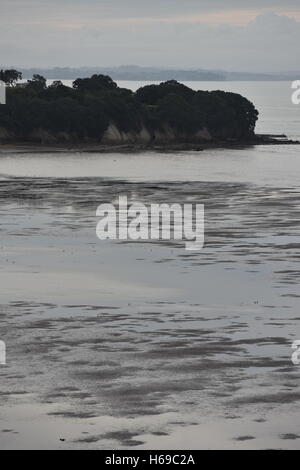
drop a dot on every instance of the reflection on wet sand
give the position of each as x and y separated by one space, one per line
124 344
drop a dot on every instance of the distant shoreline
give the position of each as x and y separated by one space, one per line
153 74
263 139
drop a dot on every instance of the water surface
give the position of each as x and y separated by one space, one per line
146 345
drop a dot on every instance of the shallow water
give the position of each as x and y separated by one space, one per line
146 345
261 165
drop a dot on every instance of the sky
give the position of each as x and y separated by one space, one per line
233 35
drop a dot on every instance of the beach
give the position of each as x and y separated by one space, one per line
140 345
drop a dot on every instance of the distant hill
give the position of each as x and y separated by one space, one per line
133 72
126 73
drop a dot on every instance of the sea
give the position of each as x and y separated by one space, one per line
122 344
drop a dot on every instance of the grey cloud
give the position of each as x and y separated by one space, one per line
135 8
269 43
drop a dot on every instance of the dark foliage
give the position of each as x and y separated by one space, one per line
85 111
10 77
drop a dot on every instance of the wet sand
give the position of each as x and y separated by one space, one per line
146 345
135 147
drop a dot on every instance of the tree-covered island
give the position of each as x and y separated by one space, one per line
96 110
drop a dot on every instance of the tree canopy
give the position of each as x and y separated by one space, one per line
85 110
10 77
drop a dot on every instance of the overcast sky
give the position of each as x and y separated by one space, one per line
245 35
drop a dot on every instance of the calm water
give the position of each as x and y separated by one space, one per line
145 345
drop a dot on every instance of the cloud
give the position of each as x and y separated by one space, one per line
168 33
87 10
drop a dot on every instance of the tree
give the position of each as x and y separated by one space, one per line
38 83
57 90
84 112
178 113
10 77
152 94
95 83
56 84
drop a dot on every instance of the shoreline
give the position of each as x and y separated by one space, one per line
259 139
